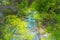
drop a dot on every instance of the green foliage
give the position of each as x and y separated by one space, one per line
49 11
5 2
8 12
42 6
15 23
46 13
22 7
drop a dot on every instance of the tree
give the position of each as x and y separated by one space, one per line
45 12
14 27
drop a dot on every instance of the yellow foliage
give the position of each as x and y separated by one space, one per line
43 38
20 26
28 36
23 24
14 20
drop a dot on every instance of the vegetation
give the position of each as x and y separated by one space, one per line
15 15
